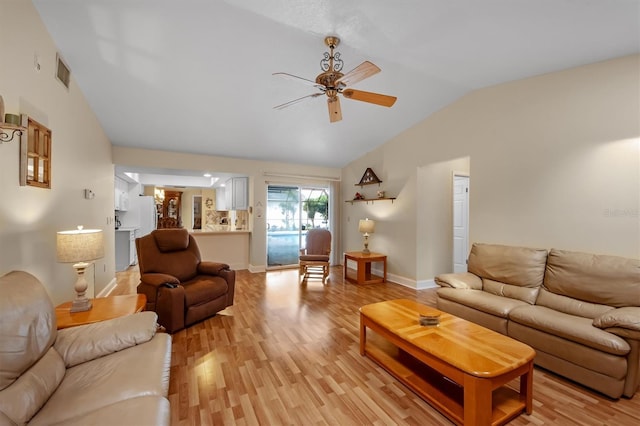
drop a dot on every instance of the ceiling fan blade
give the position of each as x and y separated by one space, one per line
359 73
335 112
372 98
299 79
295 101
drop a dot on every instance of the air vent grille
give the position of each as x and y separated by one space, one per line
62 71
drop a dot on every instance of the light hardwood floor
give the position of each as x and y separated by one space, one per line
287 354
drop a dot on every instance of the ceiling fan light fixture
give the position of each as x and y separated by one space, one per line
332 82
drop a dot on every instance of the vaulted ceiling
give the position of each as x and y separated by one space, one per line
195 76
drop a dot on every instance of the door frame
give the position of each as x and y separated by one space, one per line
466 179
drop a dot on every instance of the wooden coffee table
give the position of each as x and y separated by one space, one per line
458 367
104 308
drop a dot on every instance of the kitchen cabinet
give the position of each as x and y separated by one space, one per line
125 249
221 201
236 193
121 194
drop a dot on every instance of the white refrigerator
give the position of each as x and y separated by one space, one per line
148 215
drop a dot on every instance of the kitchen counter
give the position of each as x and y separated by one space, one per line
214 232
230 247
126 229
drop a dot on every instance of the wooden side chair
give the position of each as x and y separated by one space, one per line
314 258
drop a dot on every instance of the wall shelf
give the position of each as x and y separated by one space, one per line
366 200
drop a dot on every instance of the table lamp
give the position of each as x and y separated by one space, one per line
80 246
367 227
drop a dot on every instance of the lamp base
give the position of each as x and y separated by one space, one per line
81 305
366 244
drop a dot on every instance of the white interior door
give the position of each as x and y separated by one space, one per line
460 222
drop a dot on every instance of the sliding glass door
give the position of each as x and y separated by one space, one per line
291 211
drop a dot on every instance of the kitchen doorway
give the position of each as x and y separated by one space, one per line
291 212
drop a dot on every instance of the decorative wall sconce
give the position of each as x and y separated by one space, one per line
10 124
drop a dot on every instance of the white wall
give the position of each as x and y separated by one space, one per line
81 158
254 169
554 161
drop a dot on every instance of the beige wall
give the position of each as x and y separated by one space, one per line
81 158
257 182
554 162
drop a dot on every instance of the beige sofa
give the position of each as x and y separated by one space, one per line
580 312
107 373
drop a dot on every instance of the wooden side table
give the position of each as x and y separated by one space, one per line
363 268
104 308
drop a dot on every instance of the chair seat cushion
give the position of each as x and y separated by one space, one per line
204 288
314 258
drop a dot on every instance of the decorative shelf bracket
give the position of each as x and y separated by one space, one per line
5 128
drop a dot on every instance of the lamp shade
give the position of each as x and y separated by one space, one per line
366 226
79 245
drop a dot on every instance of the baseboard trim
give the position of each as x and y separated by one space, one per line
108 289
407 282
254 269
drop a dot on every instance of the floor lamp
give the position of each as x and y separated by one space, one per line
80 246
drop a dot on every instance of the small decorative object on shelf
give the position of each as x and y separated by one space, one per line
369 178
358 196
380 194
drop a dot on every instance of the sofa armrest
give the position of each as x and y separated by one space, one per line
621 321
211 268
86 342
464 280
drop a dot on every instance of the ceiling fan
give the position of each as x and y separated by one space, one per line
332 82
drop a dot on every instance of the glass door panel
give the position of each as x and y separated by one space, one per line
291 211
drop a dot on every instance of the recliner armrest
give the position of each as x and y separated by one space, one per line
86 342
211 268
156 279
463 280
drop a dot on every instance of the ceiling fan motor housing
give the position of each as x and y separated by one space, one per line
328 79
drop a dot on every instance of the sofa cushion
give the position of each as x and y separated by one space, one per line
573 353
150 410
27 324
526 294
518 266
570 306
600 279
481 300
137 371
26 396
570 327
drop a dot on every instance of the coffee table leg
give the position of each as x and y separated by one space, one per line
363 335
477 401
526 389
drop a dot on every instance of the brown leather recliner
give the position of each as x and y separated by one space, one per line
180 287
